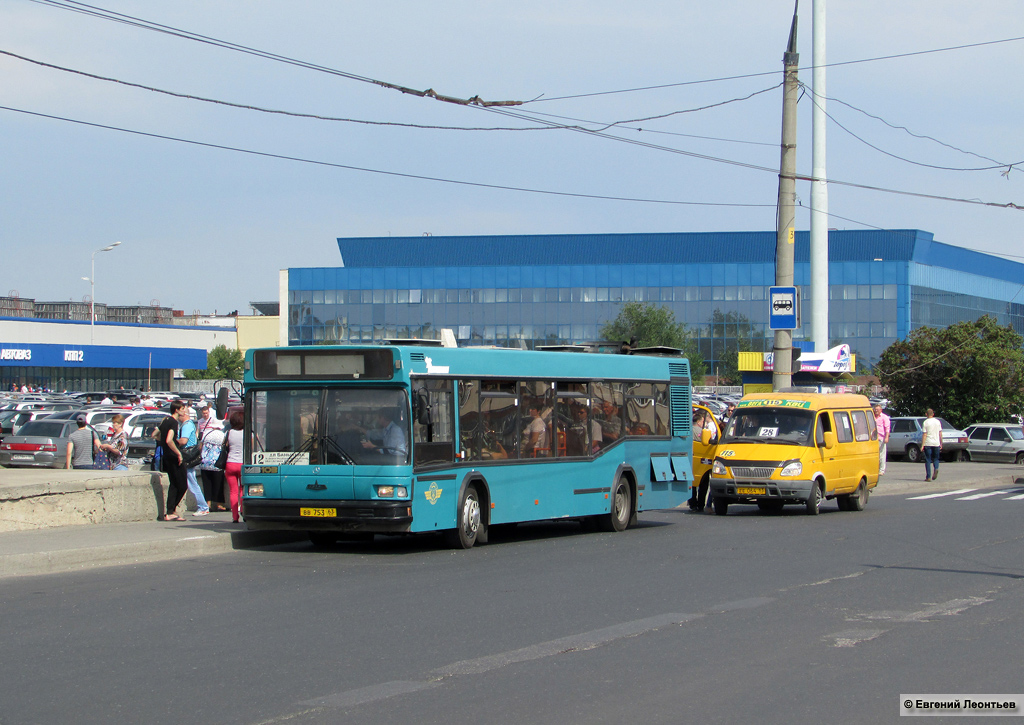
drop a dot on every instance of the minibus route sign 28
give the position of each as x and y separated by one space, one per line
776 403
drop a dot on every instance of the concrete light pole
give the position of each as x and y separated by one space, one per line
92 292
782 359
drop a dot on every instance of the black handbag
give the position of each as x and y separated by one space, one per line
192 456
222 459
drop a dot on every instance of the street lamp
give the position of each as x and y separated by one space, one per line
92 293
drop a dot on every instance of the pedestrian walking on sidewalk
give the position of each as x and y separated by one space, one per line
931 445
177 480
81 445
188 436
884 427
233 469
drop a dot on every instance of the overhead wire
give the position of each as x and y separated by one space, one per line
98 12
814 99
350 167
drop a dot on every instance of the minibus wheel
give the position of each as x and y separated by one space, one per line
814 500
721 506
859 498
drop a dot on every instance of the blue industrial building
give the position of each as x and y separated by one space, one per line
544 289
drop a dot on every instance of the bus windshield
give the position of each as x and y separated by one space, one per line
330 426
770 425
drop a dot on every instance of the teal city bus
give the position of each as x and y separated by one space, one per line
344 442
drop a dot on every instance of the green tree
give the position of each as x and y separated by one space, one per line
221 363
970 372
655 326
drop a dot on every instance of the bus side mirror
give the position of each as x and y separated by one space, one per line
830 439
705 436
222 403
421 407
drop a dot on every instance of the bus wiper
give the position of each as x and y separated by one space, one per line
307 445
342 453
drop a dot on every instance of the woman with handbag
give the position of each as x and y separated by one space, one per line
188 440
233 462
213 475
117 445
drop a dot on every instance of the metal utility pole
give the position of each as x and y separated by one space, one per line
819 190
782 364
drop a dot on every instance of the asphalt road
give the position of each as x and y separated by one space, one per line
687 618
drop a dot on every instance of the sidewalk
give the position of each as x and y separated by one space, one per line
77 548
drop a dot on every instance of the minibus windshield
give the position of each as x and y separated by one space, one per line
770 425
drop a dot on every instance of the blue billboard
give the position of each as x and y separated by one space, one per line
20 354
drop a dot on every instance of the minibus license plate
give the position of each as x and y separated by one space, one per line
751 490
318 513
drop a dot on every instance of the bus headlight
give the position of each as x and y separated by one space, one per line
718 468
255 489
385 491
793 469
401 492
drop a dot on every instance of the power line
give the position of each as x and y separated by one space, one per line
776 72
250 107
349 167
130 20
998 165
905 129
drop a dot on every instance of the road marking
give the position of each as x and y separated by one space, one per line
944 609
479 665
939 495
1018 497
853 637
976 496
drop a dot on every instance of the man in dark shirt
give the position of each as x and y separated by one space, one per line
166 435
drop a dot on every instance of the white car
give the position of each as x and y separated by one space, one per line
144 421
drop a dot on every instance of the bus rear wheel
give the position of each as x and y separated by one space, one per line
468 521
621 508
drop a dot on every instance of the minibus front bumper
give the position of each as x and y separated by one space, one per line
379 517
735 490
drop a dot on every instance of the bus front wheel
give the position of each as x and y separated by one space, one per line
468 523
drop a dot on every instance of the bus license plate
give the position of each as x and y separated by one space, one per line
751 490
318 513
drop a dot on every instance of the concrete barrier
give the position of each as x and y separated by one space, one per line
44 498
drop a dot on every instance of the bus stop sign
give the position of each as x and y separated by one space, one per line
783 308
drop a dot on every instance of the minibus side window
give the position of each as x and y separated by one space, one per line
860 425
824 426
844 432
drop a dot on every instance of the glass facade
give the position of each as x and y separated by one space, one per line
872 300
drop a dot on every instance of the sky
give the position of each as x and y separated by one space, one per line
205 228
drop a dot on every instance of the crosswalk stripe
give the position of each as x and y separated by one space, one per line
939 495
983 495
1019 497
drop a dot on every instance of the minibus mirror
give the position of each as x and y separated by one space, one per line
830 439
705 436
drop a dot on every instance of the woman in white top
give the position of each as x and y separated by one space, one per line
233 469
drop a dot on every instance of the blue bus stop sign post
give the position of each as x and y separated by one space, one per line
783 308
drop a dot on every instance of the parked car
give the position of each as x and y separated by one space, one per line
39 443
99 418
141 447
997 442
905 440
145 421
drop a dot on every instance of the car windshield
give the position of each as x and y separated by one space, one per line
341 426
42 428
770 425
